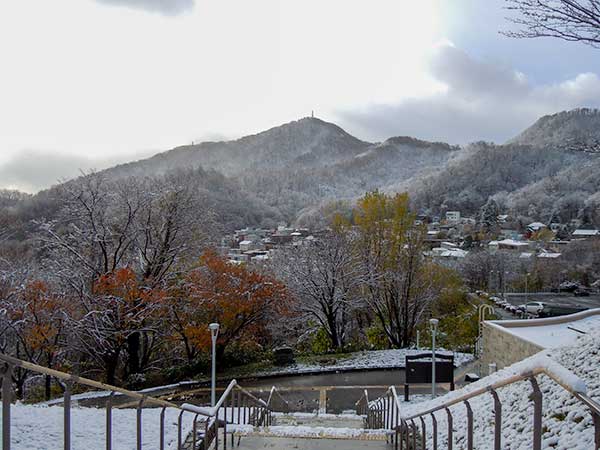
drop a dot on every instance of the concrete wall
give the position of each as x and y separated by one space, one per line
503 348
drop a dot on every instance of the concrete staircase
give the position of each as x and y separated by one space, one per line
312 432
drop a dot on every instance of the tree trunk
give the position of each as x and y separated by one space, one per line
47 387
111 369
133 350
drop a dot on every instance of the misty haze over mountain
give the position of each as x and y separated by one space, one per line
294 172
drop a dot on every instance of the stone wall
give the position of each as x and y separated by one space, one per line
503 348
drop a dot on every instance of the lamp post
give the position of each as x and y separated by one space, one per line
214 332
433 324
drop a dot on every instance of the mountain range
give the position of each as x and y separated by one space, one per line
292 172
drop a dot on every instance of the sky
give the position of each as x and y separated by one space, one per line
90 83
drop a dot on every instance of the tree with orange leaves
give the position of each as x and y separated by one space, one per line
239 299
36 318
119 306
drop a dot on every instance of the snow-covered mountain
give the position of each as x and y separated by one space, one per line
305 143
576 130
299 167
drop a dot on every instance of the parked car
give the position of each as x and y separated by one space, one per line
533 307
568 286
581 293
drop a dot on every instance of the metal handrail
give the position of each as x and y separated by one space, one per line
14 362
385 412
522 376
255 410
275 391
142 400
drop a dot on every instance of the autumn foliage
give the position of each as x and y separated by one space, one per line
240 299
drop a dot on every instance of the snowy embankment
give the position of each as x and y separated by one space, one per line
567 424
41 428
366 360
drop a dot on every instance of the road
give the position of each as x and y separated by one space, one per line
553 298
329 392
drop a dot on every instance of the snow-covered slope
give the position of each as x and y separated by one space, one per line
577 130
41 428
567 424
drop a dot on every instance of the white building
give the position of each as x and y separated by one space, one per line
453 216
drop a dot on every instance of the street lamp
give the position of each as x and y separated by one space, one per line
433 324
214 332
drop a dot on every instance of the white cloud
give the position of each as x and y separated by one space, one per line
166 7
33 170
480 101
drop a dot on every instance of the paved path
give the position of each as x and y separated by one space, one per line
259 443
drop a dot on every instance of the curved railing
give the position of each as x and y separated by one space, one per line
235 406
410 429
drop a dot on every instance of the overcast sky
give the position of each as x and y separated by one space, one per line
87 83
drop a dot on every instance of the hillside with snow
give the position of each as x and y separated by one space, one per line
567 424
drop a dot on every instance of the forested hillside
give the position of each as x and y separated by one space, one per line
298 169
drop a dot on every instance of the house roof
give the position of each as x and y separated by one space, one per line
589 232
511 243
536 225
550 255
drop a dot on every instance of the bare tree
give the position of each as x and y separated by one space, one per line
570 20
153 226
323 276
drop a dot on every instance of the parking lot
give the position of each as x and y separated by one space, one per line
552 299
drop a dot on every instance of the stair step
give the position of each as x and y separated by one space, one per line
311 432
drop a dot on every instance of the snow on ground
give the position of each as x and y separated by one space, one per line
305 431
373 359
547 333
101 394
567 424
35 427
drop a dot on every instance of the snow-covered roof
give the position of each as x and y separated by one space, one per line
449 253
525 255
552 332
550 255
245 242
536 226
586 233
511 243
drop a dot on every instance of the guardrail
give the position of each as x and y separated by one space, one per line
386 411
236 406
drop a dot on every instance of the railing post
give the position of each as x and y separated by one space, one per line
434 431
109 404
423 434
139 424
596 419
401 435
224 432
497 420
6 404
179 438
195 433
162 429
469 426
389 413
67 417
414 431
245 406
536 396
239 404
450 440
